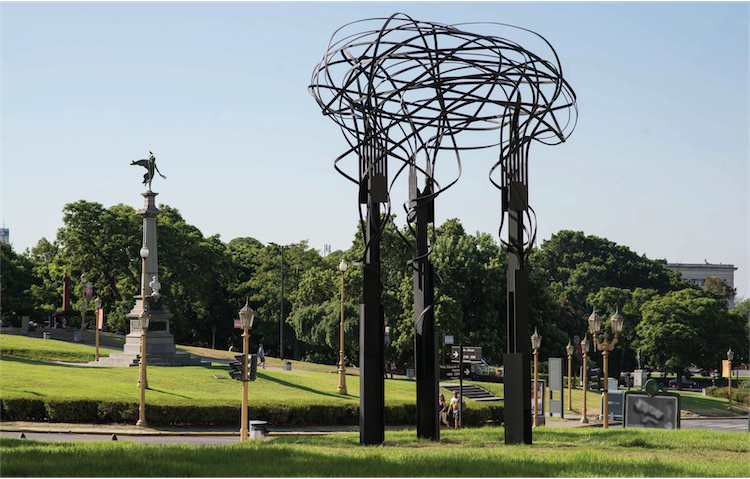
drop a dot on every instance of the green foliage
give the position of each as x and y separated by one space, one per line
687 327
16 281
739 395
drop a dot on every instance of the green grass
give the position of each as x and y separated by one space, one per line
185 385
467 453
46 350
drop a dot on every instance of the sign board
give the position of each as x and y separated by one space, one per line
449 339
471 354
237 324
540 390
615 405
612 384
556 407
661 411
449 371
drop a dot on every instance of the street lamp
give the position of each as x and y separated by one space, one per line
342 369
570 349
83 299
730 356
281 318
595 322
145 319
536 342
584 377
98 304
247 315
144 254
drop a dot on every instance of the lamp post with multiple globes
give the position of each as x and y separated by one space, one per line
595 322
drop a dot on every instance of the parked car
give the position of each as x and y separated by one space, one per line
686 383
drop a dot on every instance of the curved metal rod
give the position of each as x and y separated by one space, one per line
398 88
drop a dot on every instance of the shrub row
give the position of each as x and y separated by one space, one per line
740 395
293 414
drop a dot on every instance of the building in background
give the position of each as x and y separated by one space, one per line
697 273
5 235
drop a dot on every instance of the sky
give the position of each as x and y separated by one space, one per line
658 161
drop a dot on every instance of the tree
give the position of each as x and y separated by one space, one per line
580 265
16 281
719 286
687 327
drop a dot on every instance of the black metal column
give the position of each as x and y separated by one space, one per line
371 338
516 363
425 337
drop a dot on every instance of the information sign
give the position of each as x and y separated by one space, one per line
660 411
471 354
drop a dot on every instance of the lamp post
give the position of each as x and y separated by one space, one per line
83 299
570 349
98 304
585 376
342 369
536 342
141 373
730 356
144 319
247 315
595 322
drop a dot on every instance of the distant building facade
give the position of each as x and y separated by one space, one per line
5 235
697 273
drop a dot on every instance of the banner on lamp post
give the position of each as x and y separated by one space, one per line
100 321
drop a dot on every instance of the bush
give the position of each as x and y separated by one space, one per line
740 395
299 413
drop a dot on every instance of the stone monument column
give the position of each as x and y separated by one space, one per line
160 340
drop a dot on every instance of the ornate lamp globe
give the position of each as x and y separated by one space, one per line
595 323
98 303
144 252
585 345
342 266
570 349
247 315
730 354
536 340
617 321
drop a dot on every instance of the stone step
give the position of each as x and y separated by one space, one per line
472 392
132 360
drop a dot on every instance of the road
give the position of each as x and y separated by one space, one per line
718 424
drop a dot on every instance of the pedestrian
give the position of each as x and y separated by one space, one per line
392 367
443 411
262 356
455 406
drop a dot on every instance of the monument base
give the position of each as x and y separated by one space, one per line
160 348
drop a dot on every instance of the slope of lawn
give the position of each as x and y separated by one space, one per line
17 346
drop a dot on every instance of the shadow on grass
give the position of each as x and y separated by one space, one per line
297 386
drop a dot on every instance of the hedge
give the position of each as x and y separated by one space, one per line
278 415
740 395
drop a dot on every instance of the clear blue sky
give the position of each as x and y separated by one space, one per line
218 91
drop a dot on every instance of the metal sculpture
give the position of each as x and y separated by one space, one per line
150 165
401 91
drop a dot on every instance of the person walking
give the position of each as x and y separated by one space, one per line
443 411
262 356
455 406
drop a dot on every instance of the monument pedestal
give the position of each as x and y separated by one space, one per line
160 349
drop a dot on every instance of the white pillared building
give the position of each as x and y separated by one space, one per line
698 272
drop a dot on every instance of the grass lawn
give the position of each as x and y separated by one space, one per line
23 375
556 452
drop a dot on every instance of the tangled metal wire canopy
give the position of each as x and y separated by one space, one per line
402 90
